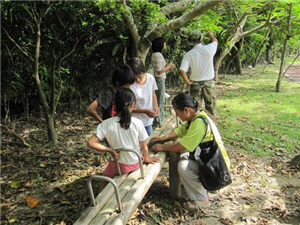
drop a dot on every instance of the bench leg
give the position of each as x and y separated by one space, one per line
91 192
175 183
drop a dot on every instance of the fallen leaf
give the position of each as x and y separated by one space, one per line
6 165
12 220
14 184
62 223
32 202
63 188
3 204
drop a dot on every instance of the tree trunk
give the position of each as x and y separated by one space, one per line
52 136
80 101
235 35
140 44
25 102
280 75
218 61
269 48
268 51
238 64
7 120
260 49
48 115
69 100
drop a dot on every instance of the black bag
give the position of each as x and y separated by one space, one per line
213 171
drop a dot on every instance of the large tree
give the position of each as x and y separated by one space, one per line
47 37
242 29
183 12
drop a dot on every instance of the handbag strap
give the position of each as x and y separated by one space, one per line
207 124
214 129
217 137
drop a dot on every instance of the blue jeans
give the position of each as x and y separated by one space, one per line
160 95
149 129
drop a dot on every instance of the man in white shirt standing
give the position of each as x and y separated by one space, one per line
200 61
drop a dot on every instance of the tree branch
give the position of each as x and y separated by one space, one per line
74 47
130 23
17 45
176 6
59 76
17 135
242 21
167 10
179 22
291 64
267 23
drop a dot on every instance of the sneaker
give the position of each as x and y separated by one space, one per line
196 205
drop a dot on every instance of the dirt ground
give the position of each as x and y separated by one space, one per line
264 190
41 184
293 73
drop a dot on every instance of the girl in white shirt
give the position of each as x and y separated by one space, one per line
122 131
146 107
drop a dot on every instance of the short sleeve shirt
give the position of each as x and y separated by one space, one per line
118 137
106 103
144 98
158 63
196 132
200 60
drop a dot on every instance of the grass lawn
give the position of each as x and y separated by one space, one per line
253 117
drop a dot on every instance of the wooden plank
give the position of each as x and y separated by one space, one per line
111 205
106 202
134 178
137 192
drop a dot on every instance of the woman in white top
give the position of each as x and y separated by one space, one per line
122 131
160 67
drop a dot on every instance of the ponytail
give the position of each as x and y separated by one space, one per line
183 100
123 100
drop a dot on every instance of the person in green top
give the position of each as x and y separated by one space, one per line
191 132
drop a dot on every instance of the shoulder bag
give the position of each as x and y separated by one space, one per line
213 161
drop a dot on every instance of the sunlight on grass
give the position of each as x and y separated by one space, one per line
255 118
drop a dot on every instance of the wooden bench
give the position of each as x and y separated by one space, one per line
132 188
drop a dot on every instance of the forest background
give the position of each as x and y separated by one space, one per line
57 56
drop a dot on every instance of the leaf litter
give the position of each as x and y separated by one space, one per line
47 185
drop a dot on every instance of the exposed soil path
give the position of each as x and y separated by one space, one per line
293 73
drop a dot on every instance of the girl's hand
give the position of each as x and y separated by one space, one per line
171 66
157 147
115 155
156 110
151 113
156 139
151 160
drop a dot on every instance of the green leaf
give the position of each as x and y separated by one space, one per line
14 184
115 49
